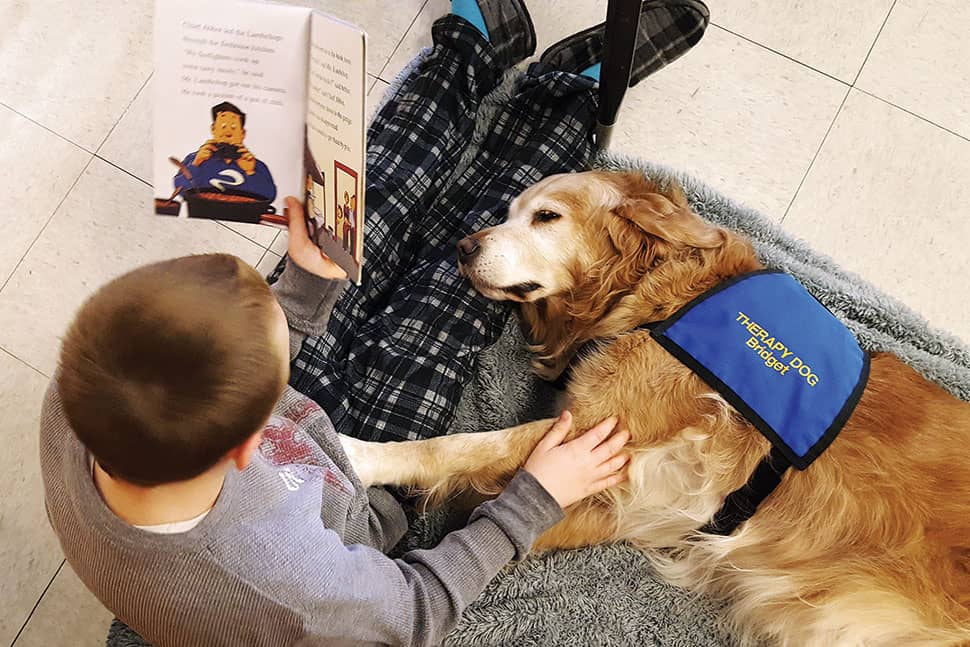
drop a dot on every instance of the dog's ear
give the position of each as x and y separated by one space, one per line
669 219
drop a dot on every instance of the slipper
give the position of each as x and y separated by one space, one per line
668 29
510 29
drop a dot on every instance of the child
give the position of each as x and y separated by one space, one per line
205 502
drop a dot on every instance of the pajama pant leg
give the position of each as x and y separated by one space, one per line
400 346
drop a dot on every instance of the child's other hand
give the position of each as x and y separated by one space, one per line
303 251
584 466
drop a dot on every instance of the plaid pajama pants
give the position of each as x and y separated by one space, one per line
400 346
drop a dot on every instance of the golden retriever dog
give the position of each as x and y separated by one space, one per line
868 546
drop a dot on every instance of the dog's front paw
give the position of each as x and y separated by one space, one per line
358 451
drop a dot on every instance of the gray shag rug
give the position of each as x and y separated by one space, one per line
609 595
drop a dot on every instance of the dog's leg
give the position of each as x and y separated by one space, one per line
585 524
442 466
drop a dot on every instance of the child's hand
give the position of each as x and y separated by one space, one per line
585 465
303 251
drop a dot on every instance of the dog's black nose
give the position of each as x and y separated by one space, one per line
468 249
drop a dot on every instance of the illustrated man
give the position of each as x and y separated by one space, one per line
338 225
346 223
352 222
223 162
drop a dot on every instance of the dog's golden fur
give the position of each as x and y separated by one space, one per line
869 546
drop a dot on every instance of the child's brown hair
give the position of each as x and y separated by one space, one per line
167 368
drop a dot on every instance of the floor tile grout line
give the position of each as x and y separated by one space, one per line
851 85
380 76
254 242
818 151
50 130
47 223
873 45
785 56
24 362
123 169
265 251
123 113
94 156
913 114
401 39
37 604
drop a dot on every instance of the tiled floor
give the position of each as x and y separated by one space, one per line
848 123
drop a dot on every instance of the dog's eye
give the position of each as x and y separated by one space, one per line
545 216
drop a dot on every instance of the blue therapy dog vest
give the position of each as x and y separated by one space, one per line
782 360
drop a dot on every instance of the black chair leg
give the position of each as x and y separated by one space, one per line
622 23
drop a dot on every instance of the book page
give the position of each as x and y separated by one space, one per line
230 102
335 146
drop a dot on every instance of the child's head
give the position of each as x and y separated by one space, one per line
168 368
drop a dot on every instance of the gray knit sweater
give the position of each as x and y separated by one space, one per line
292 551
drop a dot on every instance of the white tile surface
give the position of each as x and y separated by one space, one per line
38 169
416 38
101 230
922 62
830 35
556 19
279 245
887 197
129 145
29 553
74 66
374 96
746 120
268 263
68 615
263 235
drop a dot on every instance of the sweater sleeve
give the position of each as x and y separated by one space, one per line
418 599
386 521
307 300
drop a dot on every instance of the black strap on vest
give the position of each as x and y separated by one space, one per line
740 505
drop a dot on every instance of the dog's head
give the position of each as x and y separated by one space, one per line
573 230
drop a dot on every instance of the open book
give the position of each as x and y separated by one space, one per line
254 102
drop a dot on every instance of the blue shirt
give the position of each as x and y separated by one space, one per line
217 174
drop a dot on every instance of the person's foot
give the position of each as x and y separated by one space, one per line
505 24
593 71
470 11
668 29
